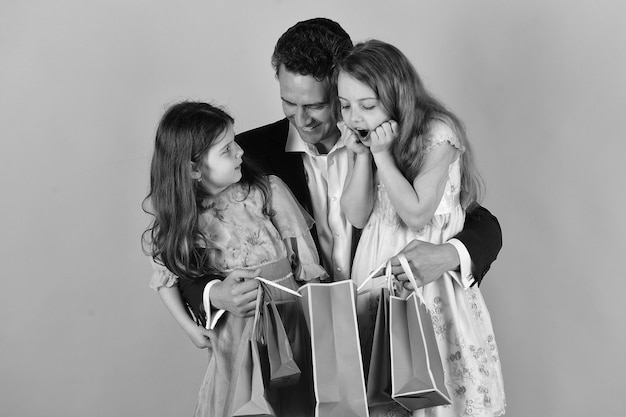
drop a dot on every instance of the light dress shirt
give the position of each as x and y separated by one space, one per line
464 277
326 176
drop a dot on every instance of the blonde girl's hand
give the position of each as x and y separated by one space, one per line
383 136
351 140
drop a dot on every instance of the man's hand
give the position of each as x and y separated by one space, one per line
427 261
237 293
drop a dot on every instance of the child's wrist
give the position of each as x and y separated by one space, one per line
383 156
189 326
367 156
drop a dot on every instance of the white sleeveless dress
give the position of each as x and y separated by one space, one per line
460 317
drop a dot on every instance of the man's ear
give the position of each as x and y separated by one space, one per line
194 171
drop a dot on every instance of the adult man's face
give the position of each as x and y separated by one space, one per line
306 105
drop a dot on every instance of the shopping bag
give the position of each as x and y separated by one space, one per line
297 399
330 312
283 368
379 374
249 391
249 396
417 379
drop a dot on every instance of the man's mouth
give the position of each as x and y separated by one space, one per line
308 128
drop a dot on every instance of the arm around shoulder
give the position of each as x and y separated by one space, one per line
192 291
482 236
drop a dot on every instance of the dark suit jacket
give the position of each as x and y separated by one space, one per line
265 146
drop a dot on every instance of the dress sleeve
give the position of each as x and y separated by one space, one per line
440 132
294 226
161 276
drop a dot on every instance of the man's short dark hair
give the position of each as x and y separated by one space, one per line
311 47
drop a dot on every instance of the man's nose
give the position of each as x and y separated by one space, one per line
302 116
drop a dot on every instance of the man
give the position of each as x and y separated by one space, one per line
304 149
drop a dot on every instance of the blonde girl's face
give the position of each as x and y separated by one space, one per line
361 109
221 166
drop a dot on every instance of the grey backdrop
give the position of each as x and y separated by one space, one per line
539 84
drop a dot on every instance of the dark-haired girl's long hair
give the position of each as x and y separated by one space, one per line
185 133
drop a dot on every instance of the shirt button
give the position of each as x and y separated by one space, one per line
336 233
334 198
339 269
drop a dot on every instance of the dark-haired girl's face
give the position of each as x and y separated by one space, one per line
360 107
221 166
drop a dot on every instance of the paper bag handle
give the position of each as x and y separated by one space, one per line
409 273
373 274
278 286
261 294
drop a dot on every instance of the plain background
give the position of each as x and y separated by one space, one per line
540 85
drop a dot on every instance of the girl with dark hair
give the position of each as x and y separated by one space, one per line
413 178
214 214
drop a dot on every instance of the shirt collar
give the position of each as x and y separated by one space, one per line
296 144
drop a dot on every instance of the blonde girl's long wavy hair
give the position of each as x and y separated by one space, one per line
389 73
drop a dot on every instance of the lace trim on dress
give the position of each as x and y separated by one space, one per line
162 277
439 133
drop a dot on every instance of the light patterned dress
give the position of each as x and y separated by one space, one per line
245 238
460 318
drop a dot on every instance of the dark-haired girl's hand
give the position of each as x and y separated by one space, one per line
198 335
383 137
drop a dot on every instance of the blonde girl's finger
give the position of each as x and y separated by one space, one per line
374 136
342 126
387 128
383 131
350 137
346 132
